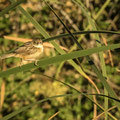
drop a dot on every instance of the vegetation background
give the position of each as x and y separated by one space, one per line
24 88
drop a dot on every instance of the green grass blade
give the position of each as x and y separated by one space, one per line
102 95
70 86
58 58
72 36
11 7
79 33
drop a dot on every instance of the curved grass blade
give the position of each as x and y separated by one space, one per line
84 94
10 7
7 117
112 98
79 33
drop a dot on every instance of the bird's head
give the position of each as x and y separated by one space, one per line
37 43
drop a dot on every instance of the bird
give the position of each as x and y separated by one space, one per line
29 51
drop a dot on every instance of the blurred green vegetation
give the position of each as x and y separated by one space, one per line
22 89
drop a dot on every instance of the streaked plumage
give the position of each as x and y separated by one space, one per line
30 51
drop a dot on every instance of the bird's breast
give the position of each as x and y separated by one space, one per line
33 53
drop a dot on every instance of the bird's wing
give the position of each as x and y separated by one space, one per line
24 49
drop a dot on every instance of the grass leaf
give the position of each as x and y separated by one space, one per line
59 58
11 7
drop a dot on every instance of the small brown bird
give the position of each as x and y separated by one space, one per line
30 51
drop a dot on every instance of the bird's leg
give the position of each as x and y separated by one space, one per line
21 63
35 63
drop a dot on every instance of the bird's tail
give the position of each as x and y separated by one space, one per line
7 56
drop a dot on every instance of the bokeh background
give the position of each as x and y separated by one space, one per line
27 87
